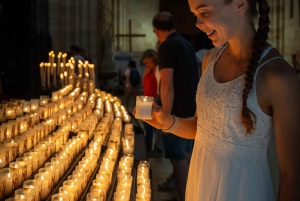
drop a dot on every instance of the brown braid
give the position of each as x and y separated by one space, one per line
247 116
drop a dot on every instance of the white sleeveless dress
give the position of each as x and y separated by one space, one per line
227 164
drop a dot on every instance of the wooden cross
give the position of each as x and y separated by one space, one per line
130 35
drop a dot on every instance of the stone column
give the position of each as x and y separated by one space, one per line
105 25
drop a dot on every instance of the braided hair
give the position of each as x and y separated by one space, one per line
248 118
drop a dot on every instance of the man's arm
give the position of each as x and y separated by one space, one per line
167 89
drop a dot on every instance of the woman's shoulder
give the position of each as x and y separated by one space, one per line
277 75
276 67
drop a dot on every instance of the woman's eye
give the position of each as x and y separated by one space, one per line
204 14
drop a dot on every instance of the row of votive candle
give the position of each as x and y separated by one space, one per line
124 177
17 107
40 153
47 176
102 182
143 182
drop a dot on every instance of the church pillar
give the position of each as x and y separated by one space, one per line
105 39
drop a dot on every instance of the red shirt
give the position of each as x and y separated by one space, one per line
150 85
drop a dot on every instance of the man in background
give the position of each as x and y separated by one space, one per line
179 79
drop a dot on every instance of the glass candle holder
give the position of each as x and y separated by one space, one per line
34 104
100 192
10 129
19 107
55 95
34 185
26 107
4 156
25 194
46 184
144 107
143 197
73 189
60 197
58 165
44 100
10 111
50 166
35 161
11 180
122 195
12 150
21 169
94 196
28 161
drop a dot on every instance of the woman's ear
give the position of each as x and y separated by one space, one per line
241 6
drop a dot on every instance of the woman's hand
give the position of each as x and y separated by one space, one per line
160 120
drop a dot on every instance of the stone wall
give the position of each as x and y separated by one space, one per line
141 13
285 28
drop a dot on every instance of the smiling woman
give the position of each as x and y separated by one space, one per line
241 106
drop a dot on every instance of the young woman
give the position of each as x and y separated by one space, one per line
248 94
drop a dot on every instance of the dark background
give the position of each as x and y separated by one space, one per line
25 42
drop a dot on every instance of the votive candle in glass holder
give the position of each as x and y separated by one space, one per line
23 124
127 146
44 100
100 192
25 194
60 197
122 195
143 197
28 161
13 150
55 96
58 166
34 104
35 160
73 189
11 179
48 172
19 107
21 169
26 107
21 144
54 170
46 184
35 185
94 196
4 156
99 186
80 179
10 129
144 107
10 111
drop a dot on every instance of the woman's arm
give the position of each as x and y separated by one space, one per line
283 96
186 128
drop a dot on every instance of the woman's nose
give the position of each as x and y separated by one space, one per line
199 23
